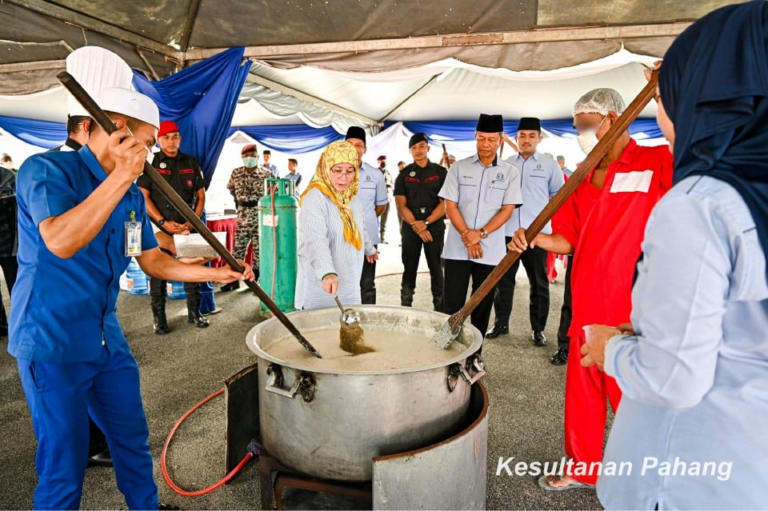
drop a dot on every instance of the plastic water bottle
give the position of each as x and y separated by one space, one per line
134 280
175 290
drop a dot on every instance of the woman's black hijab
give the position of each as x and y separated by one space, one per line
714 87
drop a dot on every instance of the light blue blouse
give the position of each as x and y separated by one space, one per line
323 249
693 422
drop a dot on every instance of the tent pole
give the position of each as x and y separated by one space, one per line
75 18
410 97
539 35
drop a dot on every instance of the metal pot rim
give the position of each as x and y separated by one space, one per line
470 350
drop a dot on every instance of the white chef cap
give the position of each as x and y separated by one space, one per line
131 103
599 101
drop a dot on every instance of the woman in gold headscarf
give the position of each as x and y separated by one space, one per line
333 241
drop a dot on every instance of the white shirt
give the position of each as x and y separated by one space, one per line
480 192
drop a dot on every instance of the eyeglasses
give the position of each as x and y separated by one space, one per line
340 173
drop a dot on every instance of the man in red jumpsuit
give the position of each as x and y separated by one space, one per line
602 225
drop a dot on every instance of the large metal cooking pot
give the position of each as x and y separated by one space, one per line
330 424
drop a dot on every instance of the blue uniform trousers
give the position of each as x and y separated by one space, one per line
60 398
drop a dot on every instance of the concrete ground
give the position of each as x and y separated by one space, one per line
182 368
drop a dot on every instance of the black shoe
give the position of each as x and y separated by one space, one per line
231 286
198 320
160 323
538 339
560 358
169 507
496 331
100 459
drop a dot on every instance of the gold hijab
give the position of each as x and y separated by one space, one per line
339 152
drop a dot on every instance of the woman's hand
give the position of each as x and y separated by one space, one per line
372 258
331 284
593 351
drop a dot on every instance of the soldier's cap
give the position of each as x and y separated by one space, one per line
167 127
418 137
382 157
249 147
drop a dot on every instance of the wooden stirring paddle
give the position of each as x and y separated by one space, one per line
451 329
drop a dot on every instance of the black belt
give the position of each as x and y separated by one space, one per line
248 203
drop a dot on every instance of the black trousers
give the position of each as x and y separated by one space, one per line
411 252
563 341
10 267
457 275
368 283
535 264
383 222
158 293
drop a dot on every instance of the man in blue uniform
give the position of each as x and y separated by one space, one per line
480 194
541 178
81 217
268 163
372 194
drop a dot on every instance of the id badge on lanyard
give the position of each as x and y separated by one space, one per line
132 237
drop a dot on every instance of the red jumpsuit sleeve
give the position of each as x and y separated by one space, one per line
566 221
667 170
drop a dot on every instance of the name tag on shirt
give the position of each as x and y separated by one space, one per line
638 181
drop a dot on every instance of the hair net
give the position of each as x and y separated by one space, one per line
599 101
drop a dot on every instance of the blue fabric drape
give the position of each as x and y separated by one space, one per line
462 131
201 99
38 133
292 138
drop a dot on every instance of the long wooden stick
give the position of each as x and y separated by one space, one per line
591 161
103 120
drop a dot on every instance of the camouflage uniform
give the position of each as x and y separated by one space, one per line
247 187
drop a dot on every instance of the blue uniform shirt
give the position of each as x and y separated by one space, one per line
695 377
273 168
372 192
64 309
541 179
480 192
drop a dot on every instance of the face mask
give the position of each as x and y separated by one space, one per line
383 164
588 140
7 164
250 161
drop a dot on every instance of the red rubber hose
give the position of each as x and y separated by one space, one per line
220 483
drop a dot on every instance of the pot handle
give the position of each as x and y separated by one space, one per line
476 363
304 383
275 382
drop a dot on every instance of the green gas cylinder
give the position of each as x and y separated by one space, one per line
278 244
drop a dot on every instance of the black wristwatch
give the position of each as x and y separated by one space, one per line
483 234
426 222
161 222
